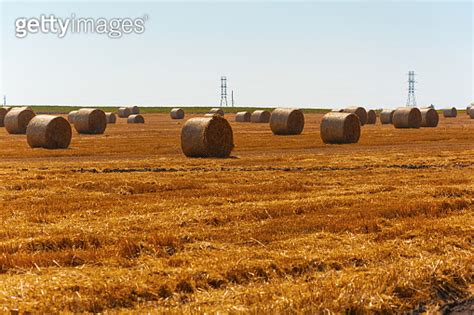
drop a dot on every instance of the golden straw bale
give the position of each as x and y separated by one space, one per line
135 119
111 118
124 112
371 117
429 117
407 117
471 112
260 116
360 112
207 137
90 121
450 112
134 110
49 132
70 116
243 117
340 128
218 111
386 116
17 119
177 113
287 121
3 112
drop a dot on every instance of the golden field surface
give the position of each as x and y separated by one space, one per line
124 222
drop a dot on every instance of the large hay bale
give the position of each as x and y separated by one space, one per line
111 118
371 117
386 116
135 119
177 113
217 111
471 112
407 117
207 137
49 132
260 116
90 121
429 117
70 116
124 112
468 108
287 121
450 112
134 110
340 128
17 119
243 117
3 112
360 112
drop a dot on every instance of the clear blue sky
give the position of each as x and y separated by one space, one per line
301 54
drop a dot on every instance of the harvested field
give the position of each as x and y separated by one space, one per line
286 224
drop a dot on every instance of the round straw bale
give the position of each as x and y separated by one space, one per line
359 111
177 113
207 137
337 110
371 117
386 116
260 116
3 112
135 119
17 119
134 110
429 117
468 108
471 112
407 117
49 132
450 112
70 116
287 121
90 121
111 118
218 111
340 128
243 117
124 112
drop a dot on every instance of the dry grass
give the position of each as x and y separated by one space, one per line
290 224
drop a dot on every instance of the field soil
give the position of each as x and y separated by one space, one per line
125 222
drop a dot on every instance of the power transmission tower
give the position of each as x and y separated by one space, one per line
224 91
411 101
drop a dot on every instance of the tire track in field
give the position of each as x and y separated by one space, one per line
266 169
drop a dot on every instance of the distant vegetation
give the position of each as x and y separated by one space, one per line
64 109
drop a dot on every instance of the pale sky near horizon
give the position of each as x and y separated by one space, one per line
296 54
